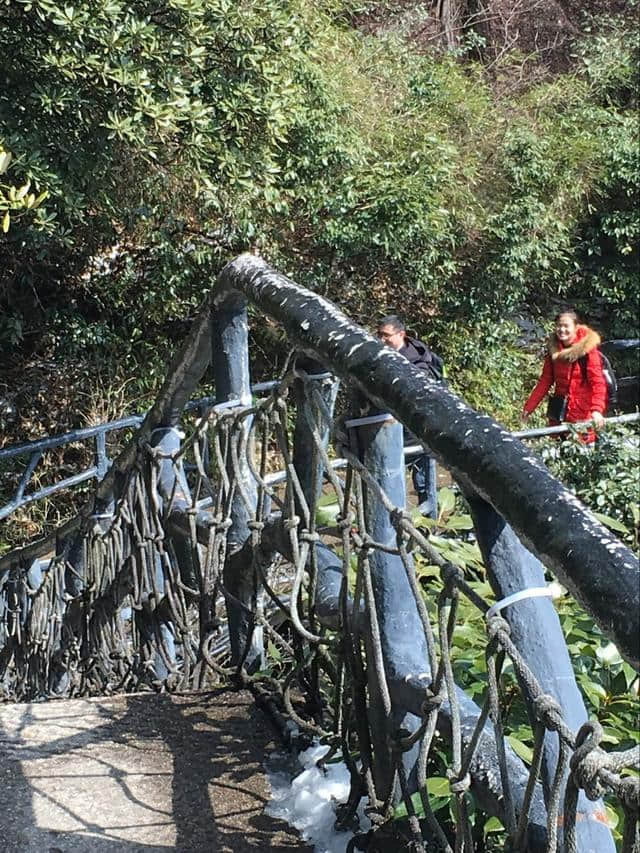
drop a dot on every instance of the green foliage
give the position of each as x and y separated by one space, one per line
168 125
168 140
605 478
15 200
491 369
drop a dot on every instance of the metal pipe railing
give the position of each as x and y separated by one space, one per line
562 428
35 450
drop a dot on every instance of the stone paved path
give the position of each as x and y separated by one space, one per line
138 773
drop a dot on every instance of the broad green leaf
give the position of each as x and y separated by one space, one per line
400 810
327 500
460 522
493 825
274 652
438 793
630 674
608 654
446 501
438 786
613 818
612 523
521 749
326 516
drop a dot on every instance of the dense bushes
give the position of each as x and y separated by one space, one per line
382 173
605 478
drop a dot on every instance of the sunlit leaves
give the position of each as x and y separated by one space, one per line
15 201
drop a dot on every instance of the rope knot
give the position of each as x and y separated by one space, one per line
548 711
458 785
309 536
291 523
588 760
397 742
367 544
345 523
375 817
496 626
256 525
431 702
397 515
451 575
589 735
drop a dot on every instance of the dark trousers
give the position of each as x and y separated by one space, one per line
423 475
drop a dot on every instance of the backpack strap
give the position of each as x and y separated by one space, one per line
609 377
582 361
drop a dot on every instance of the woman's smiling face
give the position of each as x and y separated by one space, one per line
565 328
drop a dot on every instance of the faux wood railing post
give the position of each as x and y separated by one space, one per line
536 632
156 627
402 656
392 615
230 357
308 418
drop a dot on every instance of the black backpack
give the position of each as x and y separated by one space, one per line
609 378
436 366
432 362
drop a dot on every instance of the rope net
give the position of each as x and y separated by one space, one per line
231 521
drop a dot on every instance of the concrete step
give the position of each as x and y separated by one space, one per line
140 772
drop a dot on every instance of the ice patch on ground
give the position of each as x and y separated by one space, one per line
308 800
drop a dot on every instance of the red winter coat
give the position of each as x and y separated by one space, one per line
586 393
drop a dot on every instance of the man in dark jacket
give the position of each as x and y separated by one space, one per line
392 332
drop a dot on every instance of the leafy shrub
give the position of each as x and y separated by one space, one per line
606 479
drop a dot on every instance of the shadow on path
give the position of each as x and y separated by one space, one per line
142 772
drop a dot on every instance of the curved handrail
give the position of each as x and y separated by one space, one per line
601 572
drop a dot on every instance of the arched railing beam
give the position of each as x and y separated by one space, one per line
596 567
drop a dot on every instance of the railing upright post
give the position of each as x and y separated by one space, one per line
102 460
308 418
536 631
230 357
313 423
394 618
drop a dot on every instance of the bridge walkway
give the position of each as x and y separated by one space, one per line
141 772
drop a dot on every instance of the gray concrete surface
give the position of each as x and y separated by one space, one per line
139 772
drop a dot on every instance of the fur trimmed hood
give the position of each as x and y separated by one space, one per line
586 340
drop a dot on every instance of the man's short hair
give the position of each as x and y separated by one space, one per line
394 321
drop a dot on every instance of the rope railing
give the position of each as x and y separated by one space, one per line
349 629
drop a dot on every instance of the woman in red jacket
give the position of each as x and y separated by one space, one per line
574 365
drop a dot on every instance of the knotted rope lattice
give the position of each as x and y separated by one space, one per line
138 600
